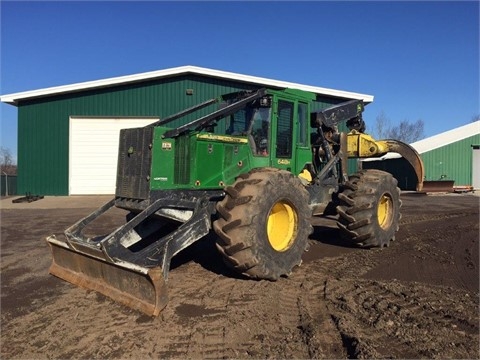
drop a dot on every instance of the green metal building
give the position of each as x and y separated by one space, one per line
452 155
68 135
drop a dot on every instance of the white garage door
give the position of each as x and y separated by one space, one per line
93 153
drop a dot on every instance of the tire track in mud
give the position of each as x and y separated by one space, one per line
410 219
402 318
445 252
293 306
57 333
207 309
196 312
257 303
320 334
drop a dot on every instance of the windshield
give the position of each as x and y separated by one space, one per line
253 122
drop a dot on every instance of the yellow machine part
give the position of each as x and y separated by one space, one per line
282 224
306 176
360 145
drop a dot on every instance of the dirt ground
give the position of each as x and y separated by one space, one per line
418 298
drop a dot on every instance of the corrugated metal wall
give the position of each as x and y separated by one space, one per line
8 185
43 124
451 162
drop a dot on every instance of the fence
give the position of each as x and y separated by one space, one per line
8 185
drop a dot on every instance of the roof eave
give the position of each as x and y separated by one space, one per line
15 98
437 141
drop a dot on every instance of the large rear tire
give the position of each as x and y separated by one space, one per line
264 223
369 208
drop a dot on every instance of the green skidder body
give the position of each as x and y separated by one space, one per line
198 161
213 157
254 170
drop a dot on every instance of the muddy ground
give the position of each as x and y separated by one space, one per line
418 298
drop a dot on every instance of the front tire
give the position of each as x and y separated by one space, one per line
264 223
369 208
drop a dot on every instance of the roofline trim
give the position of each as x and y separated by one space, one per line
437 141
448 137
15 98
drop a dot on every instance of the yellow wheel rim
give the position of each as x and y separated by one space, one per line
385 211
281 226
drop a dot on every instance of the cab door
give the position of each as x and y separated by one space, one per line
303 151
283 149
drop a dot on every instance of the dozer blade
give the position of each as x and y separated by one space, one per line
411 155
438 186
131 264
140 288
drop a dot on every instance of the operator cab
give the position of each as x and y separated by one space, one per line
254 122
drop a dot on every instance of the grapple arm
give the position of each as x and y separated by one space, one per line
364 146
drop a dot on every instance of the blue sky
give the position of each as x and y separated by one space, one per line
419 59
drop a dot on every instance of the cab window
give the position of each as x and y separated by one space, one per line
302 125
284 129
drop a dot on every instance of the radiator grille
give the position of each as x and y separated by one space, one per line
182 161
134 162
